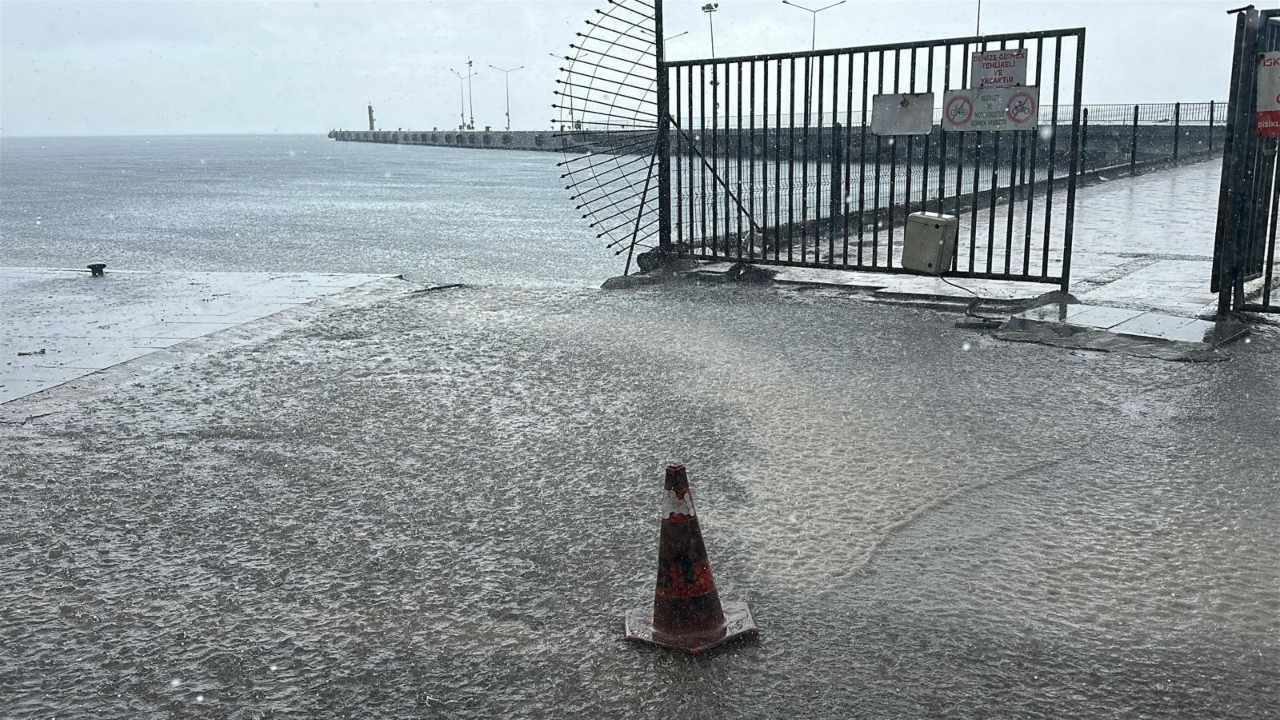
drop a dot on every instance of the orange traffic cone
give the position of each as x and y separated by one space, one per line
687 613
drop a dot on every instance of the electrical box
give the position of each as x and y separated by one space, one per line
929 242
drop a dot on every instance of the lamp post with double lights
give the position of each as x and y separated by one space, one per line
464 82
813 38
506 74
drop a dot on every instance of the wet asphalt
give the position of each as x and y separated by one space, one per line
442 505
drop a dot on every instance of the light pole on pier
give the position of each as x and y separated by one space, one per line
710 8
506 74
813 40
813 33
471 96
464 84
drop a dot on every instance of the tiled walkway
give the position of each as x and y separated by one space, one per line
1144 243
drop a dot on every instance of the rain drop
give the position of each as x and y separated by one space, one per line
199 698
966 346
175 682
1046 132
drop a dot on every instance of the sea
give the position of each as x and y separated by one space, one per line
295 203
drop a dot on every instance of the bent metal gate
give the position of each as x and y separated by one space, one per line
777 159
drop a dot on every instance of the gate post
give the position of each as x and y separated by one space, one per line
1177 128
1084 141
663 149
1133 143
1233 197
1211 109
1077 137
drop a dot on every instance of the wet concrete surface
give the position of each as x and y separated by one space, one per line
59 325
442 505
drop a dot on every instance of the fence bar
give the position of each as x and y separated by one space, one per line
848 140
715 158
1053 158
1035 149
804 168
942 140
777 168
1068 232
875 229
664 153
751 161
911 139
689 144
791 164
702 141
893 167
728 145
862 153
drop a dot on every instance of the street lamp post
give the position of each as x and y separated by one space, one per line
813 39
471 96
570 106
710 8
506 75
813 35
464 83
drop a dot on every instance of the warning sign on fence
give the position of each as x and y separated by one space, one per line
902 114
998 68
1269 94
992 109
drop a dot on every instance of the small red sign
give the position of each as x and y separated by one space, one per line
1269 123
1022 106
1268 113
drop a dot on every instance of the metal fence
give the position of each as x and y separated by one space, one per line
769 159
1132 137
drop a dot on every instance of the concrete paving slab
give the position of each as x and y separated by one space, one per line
1099 316
1159 326
1144 243
1179 287
1147 325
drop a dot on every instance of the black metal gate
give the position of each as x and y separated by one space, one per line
771 159
1245 245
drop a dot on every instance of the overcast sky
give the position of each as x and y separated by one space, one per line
106 67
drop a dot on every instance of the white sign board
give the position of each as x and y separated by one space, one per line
1269 94
998 68
902 114
993 109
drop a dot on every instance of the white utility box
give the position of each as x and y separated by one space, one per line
929 242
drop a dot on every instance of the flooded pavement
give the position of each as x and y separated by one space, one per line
442 505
